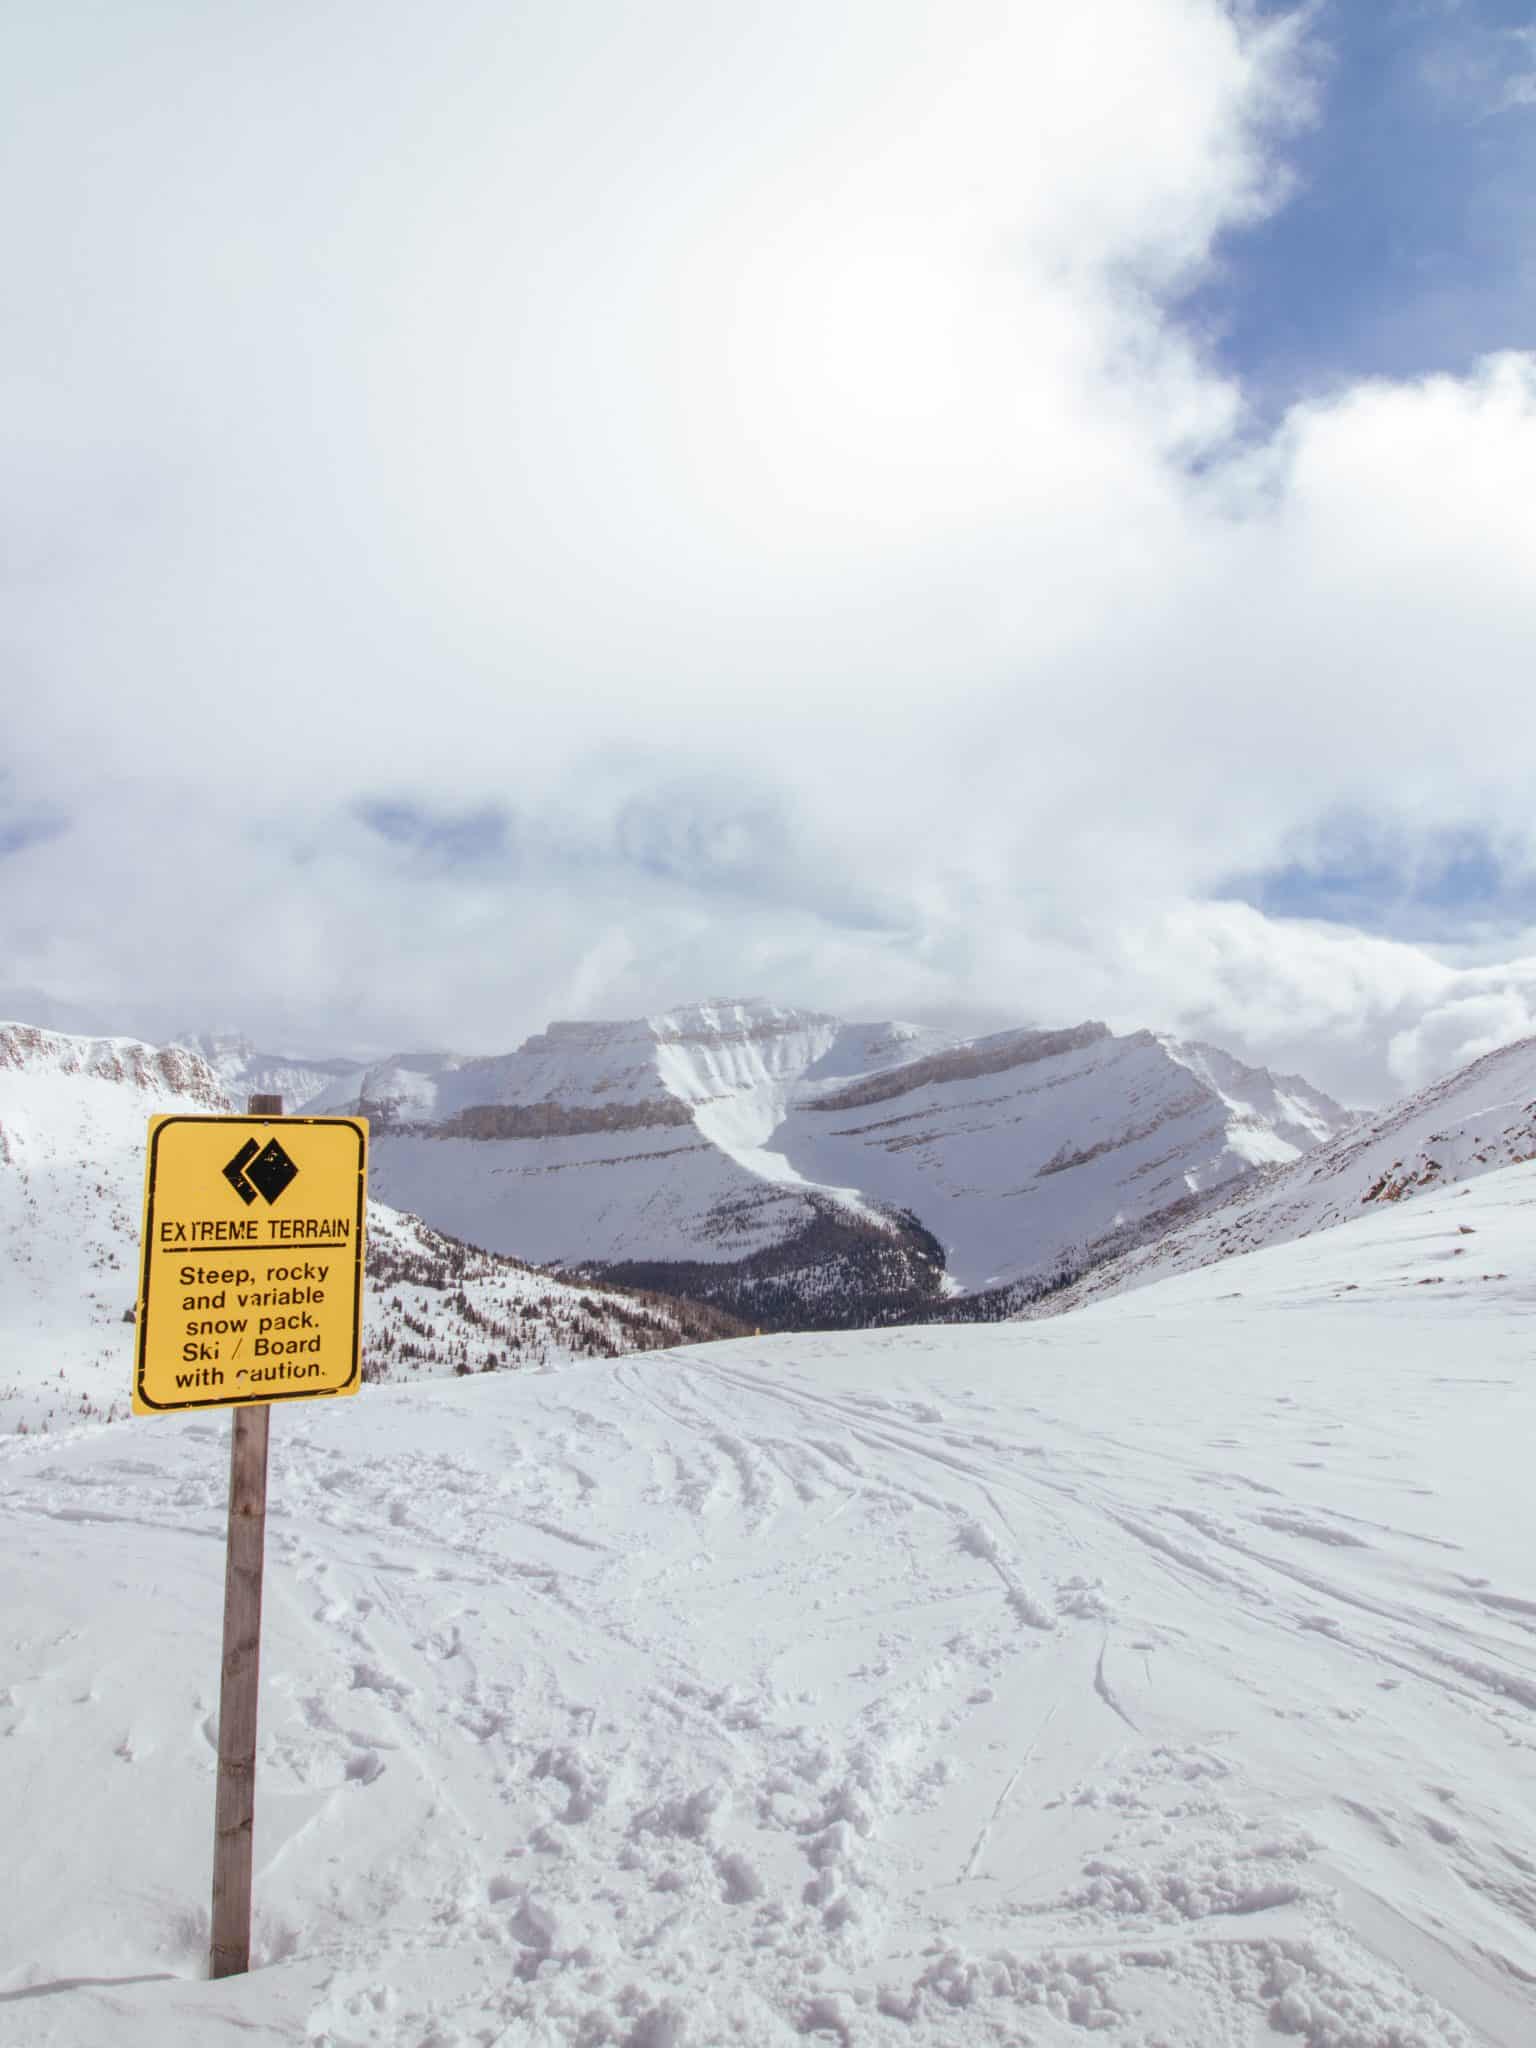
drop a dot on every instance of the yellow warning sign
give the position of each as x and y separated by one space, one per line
251 1282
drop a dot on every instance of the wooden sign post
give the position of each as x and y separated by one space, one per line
251 1292
234 1805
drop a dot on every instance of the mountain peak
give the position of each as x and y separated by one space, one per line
1472 1122
158 1071
712 1129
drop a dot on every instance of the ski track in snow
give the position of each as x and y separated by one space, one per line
1166 1671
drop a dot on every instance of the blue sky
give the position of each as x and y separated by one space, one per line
1452 888
1407 249
1409 243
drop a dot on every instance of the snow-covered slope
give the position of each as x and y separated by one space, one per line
73 1115
434 1305
243 1071
719 1131
1162 1674
604 1141
1472 1122
642 1073
1024 1148
1271 1118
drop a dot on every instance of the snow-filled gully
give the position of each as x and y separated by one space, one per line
1152 1674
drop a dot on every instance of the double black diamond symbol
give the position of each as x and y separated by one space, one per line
265 1172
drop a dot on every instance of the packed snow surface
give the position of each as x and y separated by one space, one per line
1166 1672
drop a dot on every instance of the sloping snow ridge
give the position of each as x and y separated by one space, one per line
243 1071
73 1119
1025 1148
1164 1673
1273 1117
719 1131
1472 1122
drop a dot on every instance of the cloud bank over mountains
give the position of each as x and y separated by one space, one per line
557 514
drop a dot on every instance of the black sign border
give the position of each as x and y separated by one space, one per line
277 1123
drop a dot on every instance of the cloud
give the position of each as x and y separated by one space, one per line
576 509
1463 1028
448 839
23 825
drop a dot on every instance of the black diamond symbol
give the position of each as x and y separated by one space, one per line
267 1174
271 1170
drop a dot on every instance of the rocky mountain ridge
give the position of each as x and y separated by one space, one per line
170 1071
1473 1122
861 1164
776 1168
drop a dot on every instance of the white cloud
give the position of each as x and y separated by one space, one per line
1464 1027
755 453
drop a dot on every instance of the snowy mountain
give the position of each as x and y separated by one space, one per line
73 1117
788 1164
1162 1673
1470 1123
243 1071
1023 1149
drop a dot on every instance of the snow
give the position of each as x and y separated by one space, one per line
1472 1122
74 1114
243 1071
860 1049
1017 1159
711 1130
74 1118
740 1081
694 1179
411 1085
663 1193
1165 1671
1274 1117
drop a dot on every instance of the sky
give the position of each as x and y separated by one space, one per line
992 513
